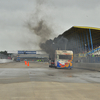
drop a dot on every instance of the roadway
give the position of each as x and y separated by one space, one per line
39 82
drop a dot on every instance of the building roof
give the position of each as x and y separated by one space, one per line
85 27
81 31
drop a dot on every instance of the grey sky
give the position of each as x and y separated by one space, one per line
60 14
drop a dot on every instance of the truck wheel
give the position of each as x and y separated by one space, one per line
49 65
55 66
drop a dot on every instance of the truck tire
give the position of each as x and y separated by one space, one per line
55 66
50 66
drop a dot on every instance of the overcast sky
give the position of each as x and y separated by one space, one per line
60 15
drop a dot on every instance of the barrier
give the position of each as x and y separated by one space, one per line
5 60
90 66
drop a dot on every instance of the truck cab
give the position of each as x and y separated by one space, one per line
51 63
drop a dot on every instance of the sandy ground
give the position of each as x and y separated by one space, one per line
39 82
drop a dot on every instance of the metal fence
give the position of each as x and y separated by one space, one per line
2 56
91 59
88 59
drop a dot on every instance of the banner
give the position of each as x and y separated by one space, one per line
26 52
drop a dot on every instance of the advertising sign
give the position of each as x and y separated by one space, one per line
26 52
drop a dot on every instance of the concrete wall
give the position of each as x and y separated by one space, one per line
5 60
90 66
2 56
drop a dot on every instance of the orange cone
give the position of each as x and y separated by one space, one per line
25 62
28 63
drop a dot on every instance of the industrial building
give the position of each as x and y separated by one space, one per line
30 55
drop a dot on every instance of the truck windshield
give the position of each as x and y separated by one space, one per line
65 57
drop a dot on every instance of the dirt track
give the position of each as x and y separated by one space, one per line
39 82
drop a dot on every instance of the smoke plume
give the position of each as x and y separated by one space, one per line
41 29
59 43
39 25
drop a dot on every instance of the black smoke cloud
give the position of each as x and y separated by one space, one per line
60 43
41 27
39 24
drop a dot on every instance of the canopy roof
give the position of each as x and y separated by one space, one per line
84 27
82 31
